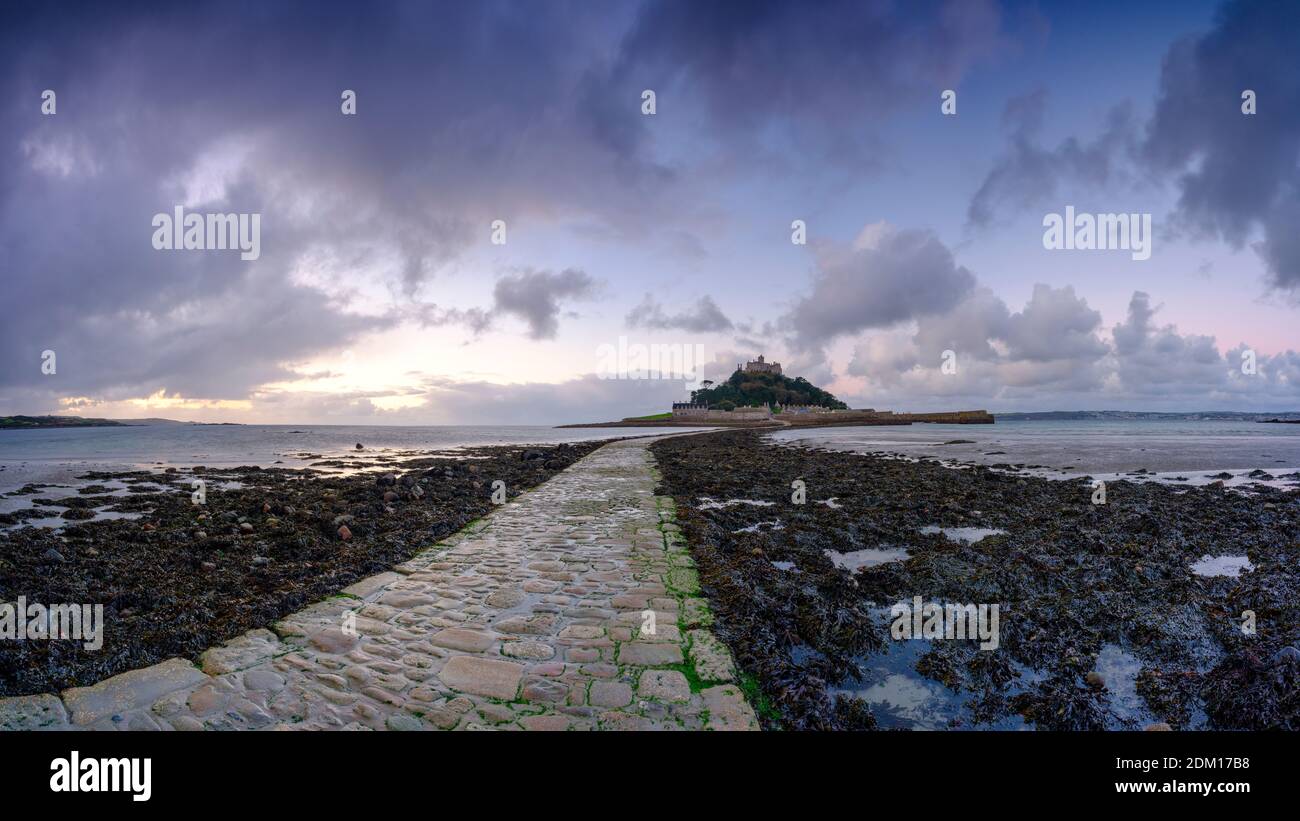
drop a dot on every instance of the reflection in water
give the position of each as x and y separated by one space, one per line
1222 566
966 535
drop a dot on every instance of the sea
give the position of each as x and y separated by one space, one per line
59 455
1186 452
1182 452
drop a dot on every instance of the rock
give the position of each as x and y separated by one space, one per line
1095 680
647 654
245 528
333 640
344 533
53 555
534 650
134 690
260 561
32 712
728 709
482 677
242 652
459 638
200 534
538 624
359 446
664 685
404 723
372 584
610 694
504 598
551 723
712 660
1287 655
1160 727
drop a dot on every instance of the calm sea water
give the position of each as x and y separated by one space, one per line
58 455
1099 448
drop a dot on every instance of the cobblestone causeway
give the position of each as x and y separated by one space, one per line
537 617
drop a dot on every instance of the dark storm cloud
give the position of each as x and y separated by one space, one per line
467 112
1238 175
703 317
1029 174
834 67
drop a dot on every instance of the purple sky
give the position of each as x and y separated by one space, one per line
380 297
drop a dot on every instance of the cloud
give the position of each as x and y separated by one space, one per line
704 317
1054 354
1050 343
891 275
465 115
835 68
1029 175
535 297
1237 175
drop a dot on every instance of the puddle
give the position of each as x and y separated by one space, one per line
761 527
832 503
1120 669
788 566
1222 566
707 503
901 698
965 535
858 559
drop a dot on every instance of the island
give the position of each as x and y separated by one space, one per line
760 395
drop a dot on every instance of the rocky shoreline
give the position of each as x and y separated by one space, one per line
181 577
1109 617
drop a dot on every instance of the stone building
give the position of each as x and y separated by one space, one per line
702 413
759 366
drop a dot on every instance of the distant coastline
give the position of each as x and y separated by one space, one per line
1163 416
50 421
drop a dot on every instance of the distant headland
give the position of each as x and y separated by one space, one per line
51 421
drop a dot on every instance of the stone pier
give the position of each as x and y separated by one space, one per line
573 607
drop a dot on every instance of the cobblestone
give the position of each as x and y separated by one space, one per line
532 618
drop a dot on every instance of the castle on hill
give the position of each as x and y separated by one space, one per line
759 366
793 414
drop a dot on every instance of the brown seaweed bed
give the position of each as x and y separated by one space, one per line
1079 585
182 577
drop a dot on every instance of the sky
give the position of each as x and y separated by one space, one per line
502 207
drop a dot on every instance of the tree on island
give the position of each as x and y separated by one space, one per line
759 389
